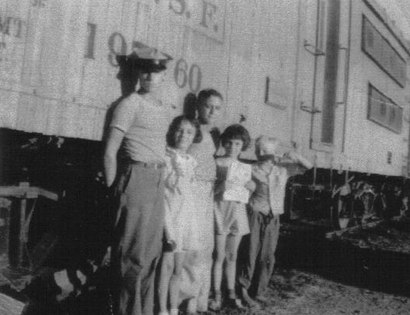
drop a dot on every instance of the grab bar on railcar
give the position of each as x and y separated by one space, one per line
315 52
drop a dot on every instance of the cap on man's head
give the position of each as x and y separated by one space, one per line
148 59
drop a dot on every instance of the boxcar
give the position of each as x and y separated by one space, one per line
328 77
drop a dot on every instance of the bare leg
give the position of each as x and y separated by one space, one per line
220 245
175 281
232 244
166 271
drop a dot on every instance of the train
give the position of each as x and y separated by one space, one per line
326 77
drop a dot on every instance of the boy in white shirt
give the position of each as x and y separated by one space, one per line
266 204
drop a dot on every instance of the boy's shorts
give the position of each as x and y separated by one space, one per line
230 218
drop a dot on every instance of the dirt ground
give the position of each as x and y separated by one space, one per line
293 292
365 271
296 292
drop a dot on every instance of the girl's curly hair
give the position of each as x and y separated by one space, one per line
236 131
173 127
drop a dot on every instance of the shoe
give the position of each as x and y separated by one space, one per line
261 298
215 304
235 303
248 300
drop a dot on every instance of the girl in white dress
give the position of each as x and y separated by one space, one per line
180 220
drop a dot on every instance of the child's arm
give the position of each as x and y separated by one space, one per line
250 185
299 159
171 177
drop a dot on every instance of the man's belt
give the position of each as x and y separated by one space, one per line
154 165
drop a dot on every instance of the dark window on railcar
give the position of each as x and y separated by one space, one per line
383 111
331 71
379 49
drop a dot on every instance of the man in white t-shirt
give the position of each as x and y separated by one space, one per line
133 163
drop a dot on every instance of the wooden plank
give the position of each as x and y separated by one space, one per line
29 192
10 306
339 233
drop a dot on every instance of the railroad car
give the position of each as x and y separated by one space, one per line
326 77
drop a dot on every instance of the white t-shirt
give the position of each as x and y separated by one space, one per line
145 125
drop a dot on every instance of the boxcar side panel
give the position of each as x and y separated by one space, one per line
370 146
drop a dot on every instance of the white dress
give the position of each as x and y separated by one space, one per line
196 274
180 209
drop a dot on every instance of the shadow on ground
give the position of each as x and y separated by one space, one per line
306 248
